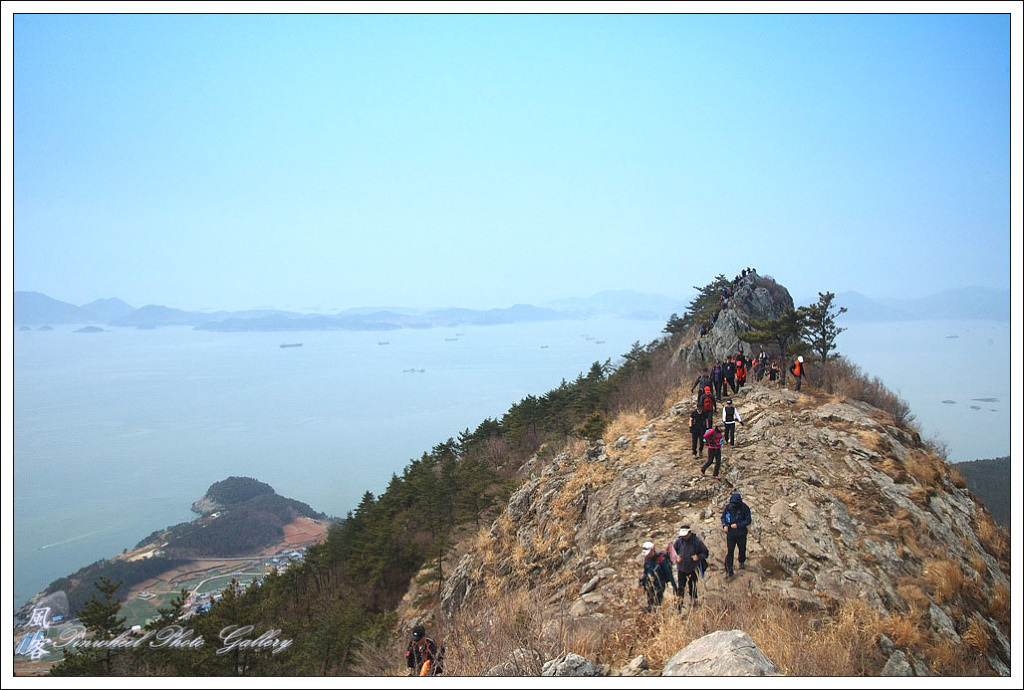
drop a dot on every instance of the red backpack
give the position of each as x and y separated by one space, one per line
708 403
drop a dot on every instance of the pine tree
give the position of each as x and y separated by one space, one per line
818 325
102 622
783 332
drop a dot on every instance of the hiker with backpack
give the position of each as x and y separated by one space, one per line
717 379
691 557
713 441
735 520
741 371
422 656
657 573
698 425
706 402
730 417
797 370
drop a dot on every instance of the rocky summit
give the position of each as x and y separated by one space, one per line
850 512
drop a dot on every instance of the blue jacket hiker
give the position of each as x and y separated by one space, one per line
691 558
657 573
735 520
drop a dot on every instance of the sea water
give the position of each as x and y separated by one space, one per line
116 433
954 374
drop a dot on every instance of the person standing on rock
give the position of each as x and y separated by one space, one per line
730 416
690 552
657 574
713 440
735 520
698 425
797 370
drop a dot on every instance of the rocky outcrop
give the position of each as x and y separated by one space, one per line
722 653
845 504
754 298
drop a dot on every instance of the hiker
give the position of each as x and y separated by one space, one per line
422 655
730 416
797 370
741 371
773 371
706 402
735 520
729 372
691 558
717 379
758 369
713 441
657 572
703 380
698 425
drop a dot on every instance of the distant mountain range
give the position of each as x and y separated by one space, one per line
961 303
34 308
37 309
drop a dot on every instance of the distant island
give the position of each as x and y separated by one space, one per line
241 519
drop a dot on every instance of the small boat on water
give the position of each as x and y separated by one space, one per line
291 344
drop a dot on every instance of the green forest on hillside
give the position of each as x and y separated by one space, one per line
989 480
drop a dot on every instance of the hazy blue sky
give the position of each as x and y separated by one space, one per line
330 161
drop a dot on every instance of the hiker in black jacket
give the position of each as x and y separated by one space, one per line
691 557
698 425
703 380
735 520
729 373
422 656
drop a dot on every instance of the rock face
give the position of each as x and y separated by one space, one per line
722 653
845 505
754 297
571 665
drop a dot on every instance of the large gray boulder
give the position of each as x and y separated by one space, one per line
571 665
722 653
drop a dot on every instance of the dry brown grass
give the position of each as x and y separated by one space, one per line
945 579
798 644
906 631
843 378
977 637
993 538
980 567
999 604
926 469
911 590
625 424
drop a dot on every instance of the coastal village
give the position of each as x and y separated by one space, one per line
204 579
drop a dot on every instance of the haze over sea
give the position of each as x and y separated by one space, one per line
116 433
